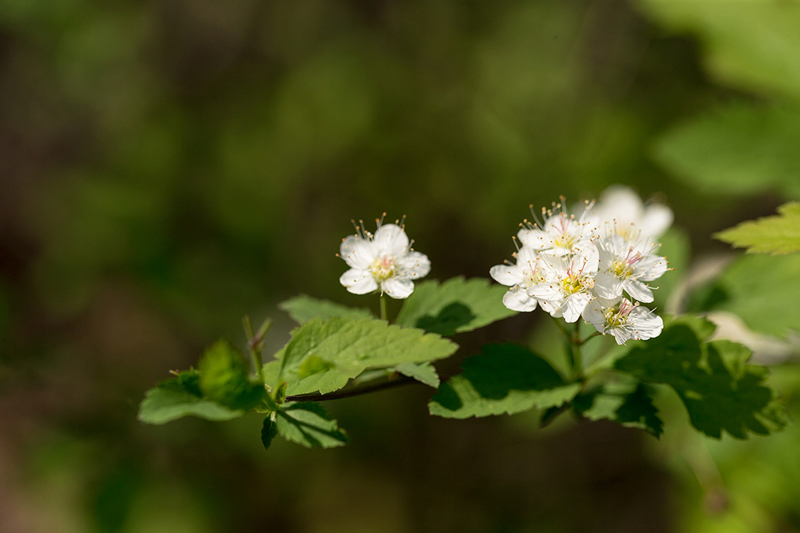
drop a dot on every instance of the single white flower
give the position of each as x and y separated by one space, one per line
382 261
620 208
561 233
624 320
625 265
567 285
520 277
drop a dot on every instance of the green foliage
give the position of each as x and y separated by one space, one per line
350 346
422 372
757 289
303 308
738 149
505 378
774 235
268 431
224 378
170 401
628 404
308 424
455 306
720 390
675 247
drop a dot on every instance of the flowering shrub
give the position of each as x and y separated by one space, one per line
593 267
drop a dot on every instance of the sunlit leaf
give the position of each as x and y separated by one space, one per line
170 401
775 235
308 424
224 378
422 372
303 308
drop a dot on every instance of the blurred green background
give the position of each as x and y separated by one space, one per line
169 166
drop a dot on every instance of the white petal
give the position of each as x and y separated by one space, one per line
607 286
546 291
535 238
574 306
414 265
357 252
507 275
646 323
391 239
358 281
652 267
398 288
518 300
622 335
620 203
638 290
656 220
593 314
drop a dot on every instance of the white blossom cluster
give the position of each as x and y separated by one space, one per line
595 265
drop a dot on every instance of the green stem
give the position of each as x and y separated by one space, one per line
391 382
383 308
255 344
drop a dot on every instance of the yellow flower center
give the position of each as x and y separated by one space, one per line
383 268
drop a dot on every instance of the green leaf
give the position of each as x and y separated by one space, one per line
675 247
268 431
308 424
313 365
757 288
170 401
224 378
773 235
720 390
455 306
742 149
303 308
422 372
353 345
628 404
752 45
505 378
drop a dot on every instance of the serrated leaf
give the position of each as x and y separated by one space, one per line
268 431
313 365
352 346
170 401
308 424
774 235
741 148
455 306
422 372
720 390
504 379
303 308
223 378
626 404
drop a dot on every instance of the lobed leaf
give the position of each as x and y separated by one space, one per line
455 306
303 308
422 372
504 379
308 424
170 401
630 405
720 390
774 235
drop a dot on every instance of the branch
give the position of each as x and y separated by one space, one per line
355 391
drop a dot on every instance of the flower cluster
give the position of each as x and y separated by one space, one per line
595 265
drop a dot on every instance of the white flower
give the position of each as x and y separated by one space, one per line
625 265
567 285
520 277
561 233
623 320
619 207
382 261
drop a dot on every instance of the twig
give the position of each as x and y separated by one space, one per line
356 391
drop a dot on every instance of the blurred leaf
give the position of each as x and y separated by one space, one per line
626 404
268 431
675 247
773 235
313 365
352 345
170 401
224 378
749 44
738 149
303 308
308 424
720 390
455 306
505 378
422 372
758 288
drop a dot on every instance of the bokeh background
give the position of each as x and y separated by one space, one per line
167 166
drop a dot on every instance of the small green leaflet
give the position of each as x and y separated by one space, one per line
170 401
504 379
455 306
768 235
268 431
224 378
352 345
308 424
422 372
628 404
720 390
303 308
